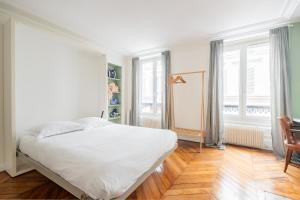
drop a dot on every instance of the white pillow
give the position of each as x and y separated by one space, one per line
56 128
92 122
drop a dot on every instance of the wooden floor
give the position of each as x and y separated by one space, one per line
235 174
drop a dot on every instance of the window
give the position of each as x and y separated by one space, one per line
151 84
231 81
246 76
258 81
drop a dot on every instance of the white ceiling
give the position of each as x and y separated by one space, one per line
131 26
296 13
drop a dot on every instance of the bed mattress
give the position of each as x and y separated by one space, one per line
103 162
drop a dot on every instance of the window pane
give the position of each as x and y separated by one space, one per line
258 81
231 81
147 87
159 86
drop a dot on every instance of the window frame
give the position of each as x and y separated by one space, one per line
155 59
241 117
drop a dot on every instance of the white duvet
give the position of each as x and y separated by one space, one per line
103 162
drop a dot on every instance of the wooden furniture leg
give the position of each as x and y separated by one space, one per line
288 156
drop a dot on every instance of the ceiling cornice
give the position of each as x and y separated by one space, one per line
289 8
253 29
245 31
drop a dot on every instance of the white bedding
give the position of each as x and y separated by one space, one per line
103 162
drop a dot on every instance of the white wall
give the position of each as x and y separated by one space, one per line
56 79
184 58
1 101
115 58
187 58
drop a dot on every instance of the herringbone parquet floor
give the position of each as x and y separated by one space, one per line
234 174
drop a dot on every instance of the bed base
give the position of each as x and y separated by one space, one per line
78 192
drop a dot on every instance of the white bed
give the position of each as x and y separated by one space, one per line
103 162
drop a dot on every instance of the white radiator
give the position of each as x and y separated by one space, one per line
250 136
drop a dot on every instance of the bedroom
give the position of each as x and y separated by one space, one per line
149 99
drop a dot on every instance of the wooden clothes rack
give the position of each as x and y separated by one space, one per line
177 78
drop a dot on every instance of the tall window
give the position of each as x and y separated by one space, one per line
151 84
247 82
